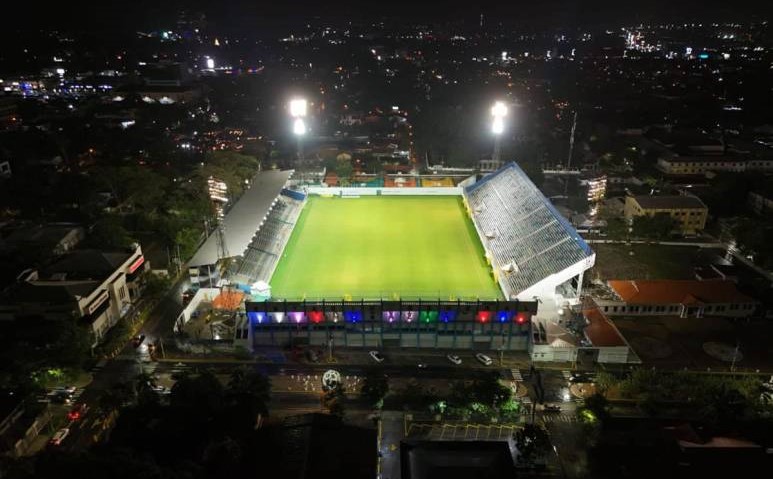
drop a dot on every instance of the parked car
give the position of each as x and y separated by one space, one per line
61 397
59 436
454 359
64 389
580 378
552 408
377 356
485 360
77 412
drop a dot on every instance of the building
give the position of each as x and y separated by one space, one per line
683 298
699 165
456 459
479 325
321 445
688 212
93 286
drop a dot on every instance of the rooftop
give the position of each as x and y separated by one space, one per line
645 292
669 202
456 460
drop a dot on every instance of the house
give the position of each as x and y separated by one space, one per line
683 298
95 287
688 212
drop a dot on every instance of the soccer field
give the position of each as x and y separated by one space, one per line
384 247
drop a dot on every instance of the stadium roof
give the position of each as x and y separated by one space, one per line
243 219
527 237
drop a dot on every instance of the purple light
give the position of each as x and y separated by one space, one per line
297 316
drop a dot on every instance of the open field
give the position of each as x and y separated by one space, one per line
384 247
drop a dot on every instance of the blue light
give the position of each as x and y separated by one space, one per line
255 317
446 316
353 316
503 316
703 56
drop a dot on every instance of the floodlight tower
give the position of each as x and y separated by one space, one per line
498 112
298 112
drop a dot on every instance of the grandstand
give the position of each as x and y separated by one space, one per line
532 248
265 249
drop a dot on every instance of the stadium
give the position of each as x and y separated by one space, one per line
475 265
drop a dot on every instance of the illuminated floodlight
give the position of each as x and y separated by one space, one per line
299 127
211 63
498 126
298 108
499 110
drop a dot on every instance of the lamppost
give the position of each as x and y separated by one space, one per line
498 112
298 112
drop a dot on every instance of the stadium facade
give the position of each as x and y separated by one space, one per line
536 257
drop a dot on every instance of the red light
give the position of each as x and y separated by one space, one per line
316 316
520 319
483 316
74 415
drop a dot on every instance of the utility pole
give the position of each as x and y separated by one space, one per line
735 356
571 150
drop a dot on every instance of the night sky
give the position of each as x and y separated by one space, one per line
245 14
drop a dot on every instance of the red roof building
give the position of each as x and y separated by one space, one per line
686 298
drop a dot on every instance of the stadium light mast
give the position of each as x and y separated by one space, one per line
498 112
298 108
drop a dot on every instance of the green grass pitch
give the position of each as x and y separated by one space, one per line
384 247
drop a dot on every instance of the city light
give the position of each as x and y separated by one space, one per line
210 63
298 108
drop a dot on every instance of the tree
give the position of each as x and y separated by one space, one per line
657 226
486 389
375 386
598 407
250 390
344 169
108 232
155 285
334 399
532 442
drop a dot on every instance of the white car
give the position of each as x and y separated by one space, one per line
454 359
484 359
377 356
59 436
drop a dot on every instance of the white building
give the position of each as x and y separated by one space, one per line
92 286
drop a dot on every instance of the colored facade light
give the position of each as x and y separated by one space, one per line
316 317
428 316
409 316
447 316
521 319
297 316
391 316
503 316
353 316
484 316
256 317
279 317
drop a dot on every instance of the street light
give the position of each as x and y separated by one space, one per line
499 112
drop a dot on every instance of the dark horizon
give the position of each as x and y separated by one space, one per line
242 15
